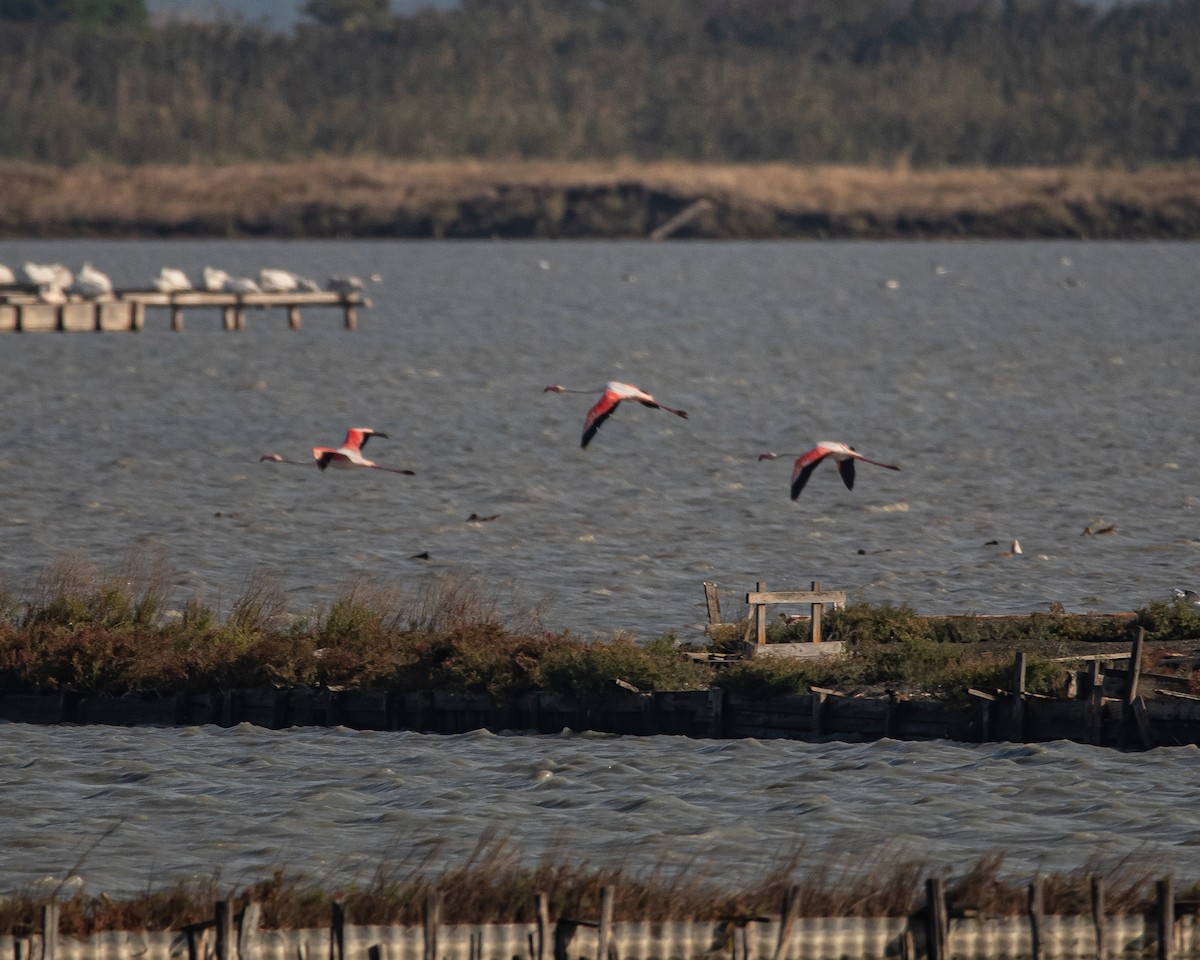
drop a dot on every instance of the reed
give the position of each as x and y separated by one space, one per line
498 883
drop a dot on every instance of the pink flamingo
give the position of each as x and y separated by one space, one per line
346 457
611 396
843 455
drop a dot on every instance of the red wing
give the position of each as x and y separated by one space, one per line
806 463
598 414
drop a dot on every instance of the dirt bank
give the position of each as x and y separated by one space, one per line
463 199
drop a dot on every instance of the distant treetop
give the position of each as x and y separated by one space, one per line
100 13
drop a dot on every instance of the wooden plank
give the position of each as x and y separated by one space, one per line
712 603
835 597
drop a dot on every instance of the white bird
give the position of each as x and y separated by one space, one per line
215 279
241 285
344 284
273 280
7 277
90 282
171 280
46 274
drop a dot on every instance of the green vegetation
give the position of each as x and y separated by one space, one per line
920 82
497 884
111 633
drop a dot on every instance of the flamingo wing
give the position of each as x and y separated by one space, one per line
598 414
323 456
846 469
806 463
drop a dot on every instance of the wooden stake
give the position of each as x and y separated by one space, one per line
937 926
176 318
1099 920
1036 919
791 910
815 610
1018 697
293 313
712 603
223 919
543 927
1131 685
1166 918
49 931
337 932
433 920
760 617
606 919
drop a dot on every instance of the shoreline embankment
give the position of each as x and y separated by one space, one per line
371 198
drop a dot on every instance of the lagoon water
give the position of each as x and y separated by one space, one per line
1028 390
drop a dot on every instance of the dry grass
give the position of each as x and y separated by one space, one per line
499 883
163 198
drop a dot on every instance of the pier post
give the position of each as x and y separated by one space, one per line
351 316
176 318
49 931
293 313
815 611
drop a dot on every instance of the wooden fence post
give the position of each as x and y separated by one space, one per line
606 919
1018 697
433 920
248 931
760 617
1166 918
1099 920
293 314
712 604
1036 919
49 931
937 927
223 920
1128 718
337 932
787 920
815 611
543 927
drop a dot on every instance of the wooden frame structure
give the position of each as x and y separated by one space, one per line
816 598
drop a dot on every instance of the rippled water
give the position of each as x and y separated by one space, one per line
1027 389
147 805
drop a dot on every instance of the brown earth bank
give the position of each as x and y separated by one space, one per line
469 200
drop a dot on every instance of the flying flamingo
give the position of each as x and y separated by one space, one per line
345 457
612 394
806 463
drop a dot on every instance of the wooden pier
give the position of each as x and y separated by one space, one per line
21 310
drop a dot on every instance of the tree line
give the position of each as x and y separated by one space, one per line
924 82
